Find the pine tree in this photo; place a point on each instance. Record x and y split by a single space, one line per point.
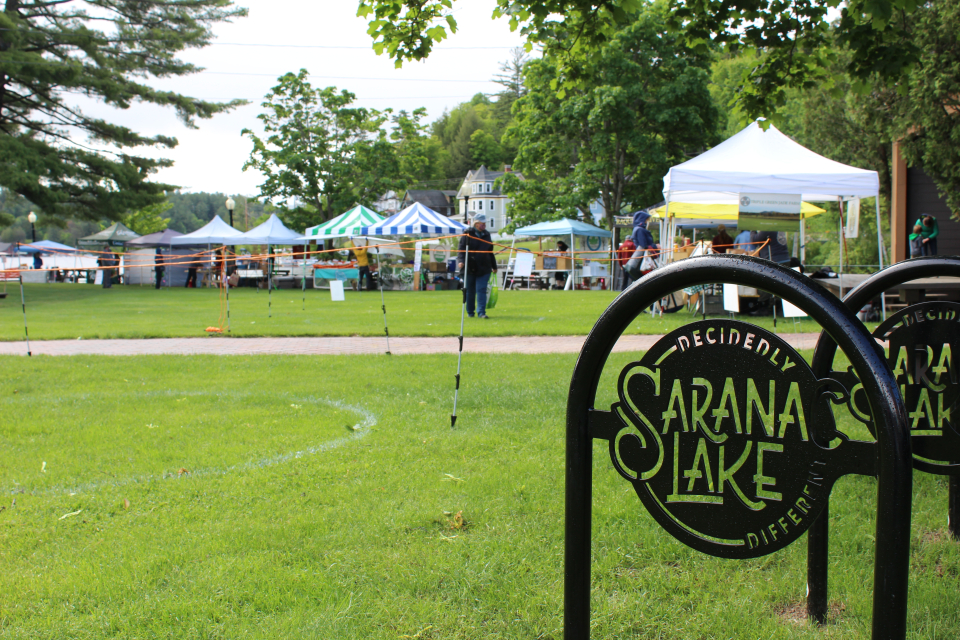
68 163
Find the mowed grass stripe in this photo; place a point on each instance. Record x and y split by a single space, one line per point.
62 311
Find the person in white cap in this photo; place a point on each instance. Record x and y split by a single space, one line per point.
480 264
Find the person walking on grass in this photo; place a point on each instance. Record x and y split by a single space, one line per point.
929 232
479 265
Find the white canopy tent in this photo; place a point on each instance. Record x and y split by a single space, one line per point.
767 161
214 232
271 232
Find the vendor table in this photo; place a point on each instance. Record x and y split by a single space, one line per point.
543 278
321 274
913 291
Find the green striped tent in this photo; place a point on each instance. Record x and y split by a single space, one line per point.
346 224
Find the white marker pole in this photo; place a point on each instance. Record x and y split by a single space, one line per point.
463 312
23 305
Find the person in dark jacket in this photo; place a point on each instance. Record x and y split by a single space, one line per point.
158 268
642 237
105 261
479 265
775 248
722 241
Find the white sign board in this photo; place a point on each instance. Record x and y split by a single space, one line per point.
852 227
790 310
769 212
98 279
731 298
336 290
418 257
523 265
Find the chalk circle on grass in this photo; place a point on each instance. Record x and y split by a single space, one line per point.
204 435
336 291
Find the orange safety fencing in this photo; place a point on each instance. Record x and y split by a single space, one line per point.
211 257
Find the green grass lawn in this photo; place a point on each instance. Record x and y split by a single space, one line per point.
68 311
309 497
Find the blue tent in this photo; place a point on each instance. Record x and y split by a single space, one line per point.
415 220
48 246
565 227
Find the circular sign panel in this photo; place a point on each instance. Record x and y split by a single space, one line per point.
718 438
921 340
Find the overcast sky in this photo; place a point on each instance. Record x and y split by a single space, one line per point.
326 38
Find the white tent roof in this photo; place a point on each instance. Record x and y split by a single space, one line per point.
758 161
214 232
272 231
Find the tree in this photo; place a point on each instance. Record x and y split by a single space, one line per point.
928 115
791 32
533 201
150 219
418 153
320 153
643 105
66 162
837 122
511 75
485 150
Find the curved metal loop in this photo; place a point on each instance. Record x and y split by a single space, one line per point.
824 353
894 465
875 285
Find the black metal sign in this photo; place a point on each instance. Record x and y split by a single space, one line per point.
715 428
727 436
921 345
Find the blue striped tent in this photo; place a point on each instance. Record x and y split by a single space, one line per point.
415 220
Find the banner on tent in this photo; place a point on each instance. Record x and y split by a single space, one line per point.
852 227
769 212
418 257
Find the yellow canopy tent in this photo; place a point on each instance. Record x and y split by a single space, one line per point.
700 211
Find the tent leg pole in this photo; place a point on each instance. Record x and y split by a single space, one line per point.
269 284
803 241
842 241
383 305
23 305
463 313
573 263
303 284
883 297
226 280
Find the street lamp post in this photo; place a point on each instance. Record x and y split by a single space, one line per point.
230 205
33 230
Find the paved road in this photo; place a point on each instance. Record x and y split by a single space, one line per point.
222 346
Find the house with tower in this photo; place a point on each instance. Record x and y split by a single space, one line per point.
478 194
